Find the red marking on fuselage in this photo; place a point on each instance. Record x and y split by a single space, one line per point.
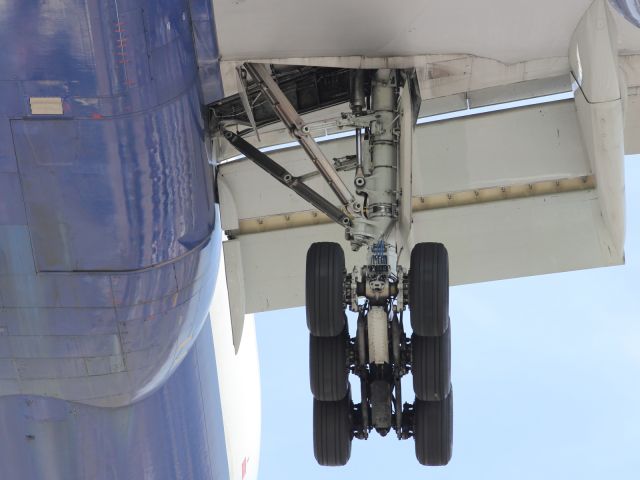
244 467
121 46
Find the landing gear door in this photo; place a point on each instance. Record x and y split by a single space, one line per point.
410 105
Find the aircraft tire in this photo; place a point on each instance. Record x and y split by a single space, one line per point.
431 366
332 431
328 366
433 431
324 289
429 289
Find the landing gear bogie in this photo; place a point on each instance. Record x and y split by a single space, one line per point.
381 353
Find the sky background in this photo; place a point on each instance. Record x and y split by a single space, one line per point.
546 380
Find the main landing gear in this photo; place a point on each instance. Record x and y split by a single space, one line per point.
376 215
380 354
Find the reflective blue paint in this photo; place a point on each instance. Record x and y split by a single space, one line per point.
109 246
7 156
115 194
629 8
173 434
142 323
205 38
12 207
120 180
108 253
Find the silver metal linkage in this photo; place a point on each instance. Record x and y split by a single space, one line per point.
292 120
371 212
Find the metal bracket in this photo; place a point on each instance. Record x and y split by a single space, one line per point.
360 121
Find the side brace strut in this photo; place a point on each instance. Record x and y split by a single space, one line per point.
288 115
285 178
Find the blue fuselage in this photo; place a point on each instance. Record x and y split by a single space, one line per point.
109 244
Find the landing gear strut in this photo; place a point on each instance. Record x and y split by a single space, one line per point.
377 216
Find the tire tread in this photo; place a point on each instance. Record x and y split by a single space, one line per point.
433 431
328 368
332 434
431 366
429 289
324 289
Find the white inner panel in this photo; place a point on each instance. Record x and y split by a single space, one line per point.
492 241
501 148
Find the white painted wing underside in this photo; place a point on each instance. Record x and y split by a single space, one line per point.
511 193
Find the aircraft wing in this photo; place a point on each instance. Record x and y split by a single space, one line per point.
512 190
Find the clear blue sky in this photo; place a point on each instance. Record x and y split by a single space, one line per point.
546 375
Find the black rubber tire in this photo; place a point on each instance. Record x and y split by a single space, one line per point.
433 431
328 366
429 289
431 366
324 289
332 431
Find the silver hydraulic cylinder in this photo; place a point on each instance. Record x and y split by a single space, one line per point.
378 336
380 163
